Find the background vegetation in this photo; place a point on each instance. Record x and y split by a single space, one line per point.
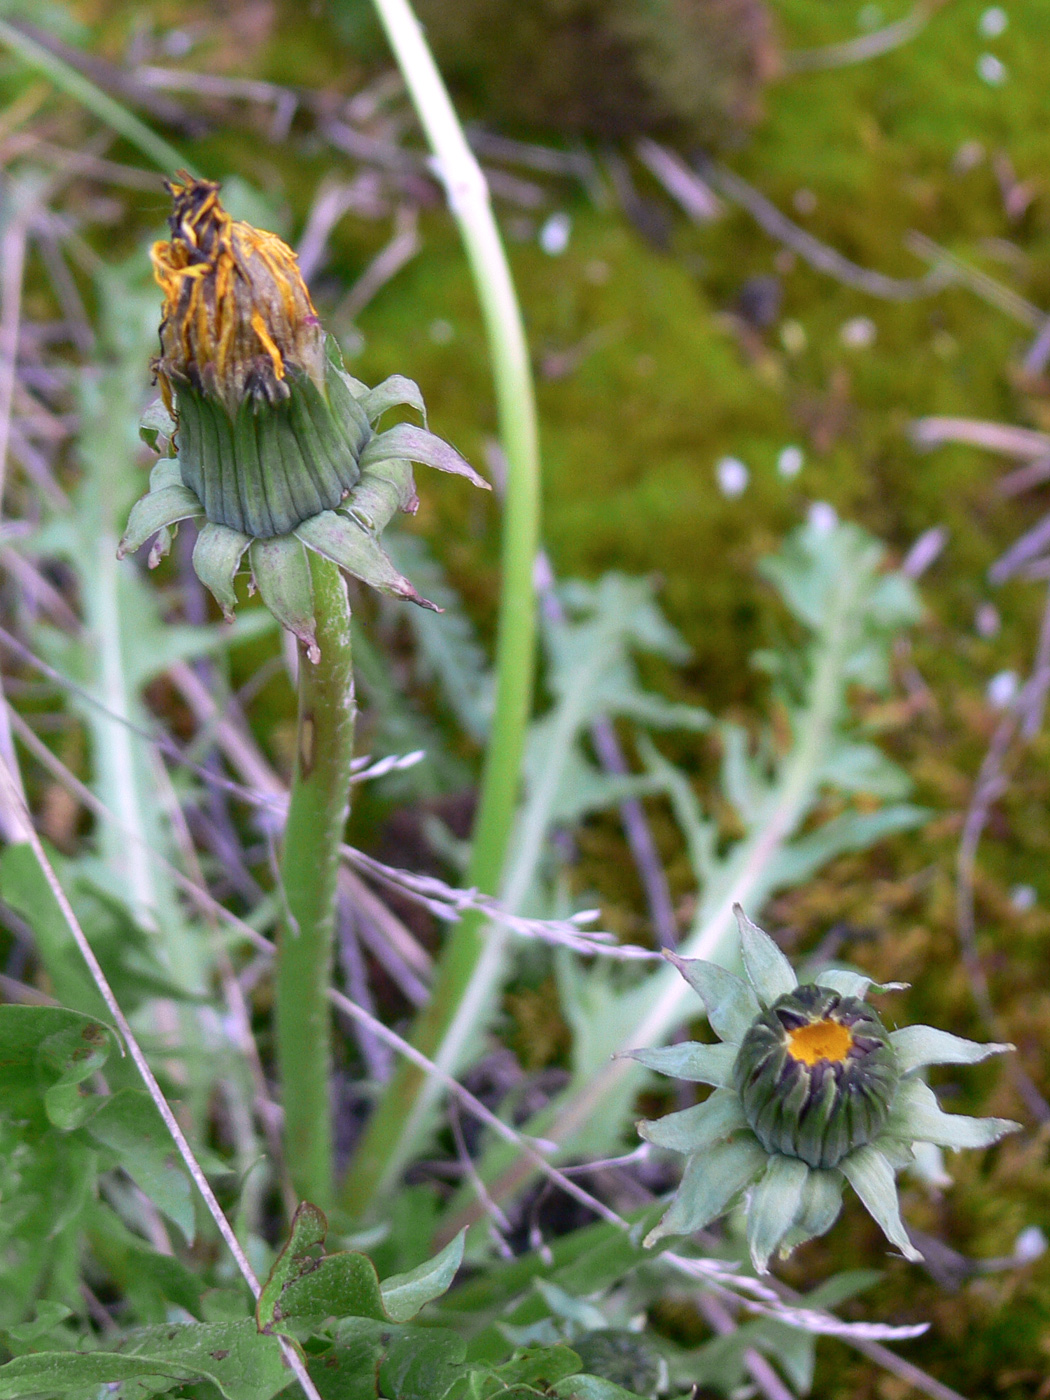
703 388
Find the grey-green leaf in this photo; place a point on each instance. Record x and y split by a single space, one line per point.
404 1294
710 1181
166 471
700 1064
282 575
768 970
854 984
417 445
343 541
394 392
916 1116
216 559
871 1176
926 1045
731 1004
774 1205
696 1128
153 512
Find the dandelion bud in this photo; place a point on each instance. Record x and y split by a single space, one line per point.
816 1075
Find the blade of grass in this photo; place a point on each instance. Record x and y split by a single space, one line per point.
374 1165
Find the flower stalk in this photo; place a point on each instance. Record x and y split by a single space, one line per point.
317 814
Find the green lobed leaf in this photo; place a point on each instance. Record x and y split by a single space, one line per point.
768 970
694 1129
731 1004
44 1048
690 1060
299 1253
590 1388
925 1045
404 1294
74 1053
306 1287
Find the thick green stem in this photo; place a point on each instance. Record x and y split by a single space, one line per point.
316 818
468 972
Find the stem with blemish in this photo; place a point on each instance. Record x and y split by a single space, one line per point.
317 813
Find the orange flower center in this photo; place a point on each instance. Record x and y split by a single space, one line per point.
822 1040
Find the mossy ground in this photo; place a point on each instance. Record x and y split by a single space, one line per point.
646 381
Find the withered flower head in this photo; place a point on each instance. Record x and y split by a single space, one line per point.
269 439
238 319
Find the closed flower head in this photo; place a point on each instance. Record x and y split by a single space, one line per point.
811 1092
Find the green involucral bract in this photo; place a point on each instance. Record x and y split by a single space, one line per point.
274 447
810 1091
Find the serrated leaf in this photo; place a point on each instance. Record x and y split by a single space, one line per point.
305 1287
45 1047
73 1053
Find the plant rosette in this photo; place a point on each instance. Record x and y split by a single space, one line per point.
810 1091
273 446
